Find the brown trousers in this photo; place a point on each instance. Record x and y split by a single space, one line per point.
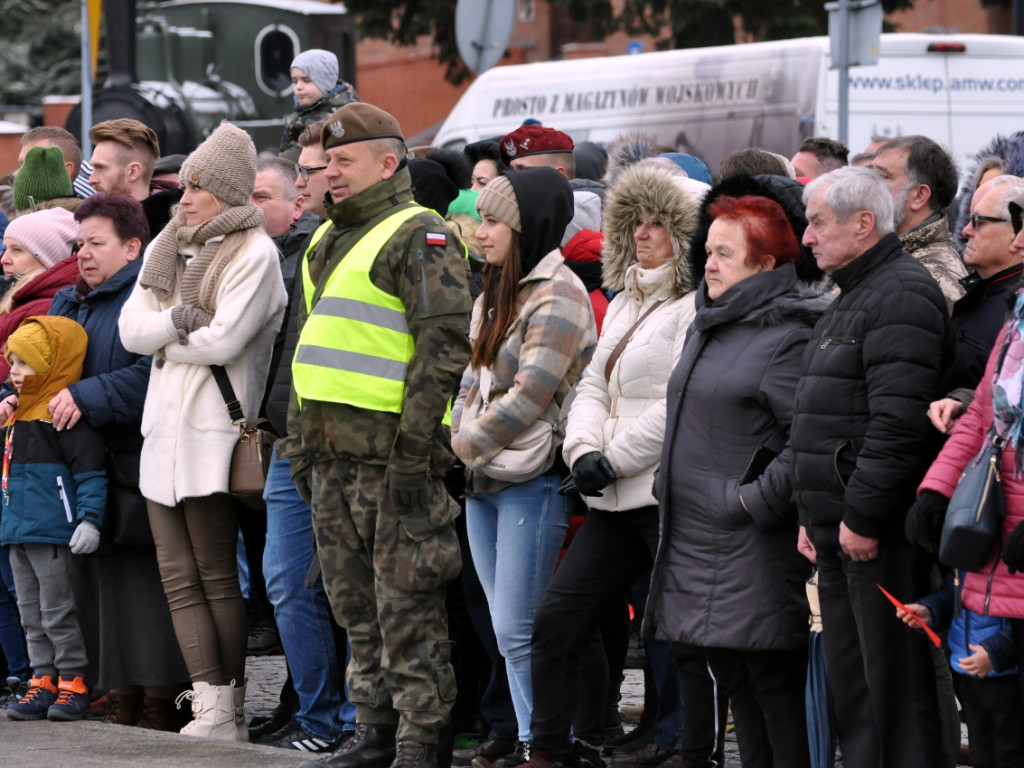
196 546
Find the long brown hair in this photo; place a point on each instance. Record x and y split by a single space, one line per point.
499 306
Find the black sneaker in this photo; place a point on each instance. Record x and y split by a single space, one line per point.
294 737
264 639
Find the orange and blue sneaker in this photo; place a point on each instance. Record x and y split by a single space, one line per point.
72 700
42 693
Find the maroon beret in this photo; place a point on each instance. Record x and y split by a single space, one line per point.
533 140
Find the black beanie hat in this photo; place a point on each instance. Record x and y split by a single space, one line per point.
431 186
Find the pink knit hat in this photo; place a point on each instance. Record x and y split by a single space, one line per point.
49 234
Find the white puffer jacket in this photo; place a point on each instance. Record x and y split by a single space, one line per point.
624 417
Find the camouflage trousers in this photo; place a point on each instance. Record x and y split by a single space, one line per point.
385 575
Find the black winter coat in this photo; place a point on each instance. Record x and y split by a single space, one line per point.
861 438
977 319
727 573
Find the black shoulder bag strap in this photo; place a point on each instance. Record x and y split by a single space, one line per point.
231 403
613 358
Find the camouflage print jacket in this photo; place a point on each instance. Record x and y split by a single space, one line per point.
297 121
433 283
932 244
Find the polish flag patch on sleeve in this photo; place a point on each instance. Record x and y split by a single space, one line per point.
437 238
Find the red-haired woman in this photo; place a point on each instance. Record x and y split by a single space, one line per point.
728 580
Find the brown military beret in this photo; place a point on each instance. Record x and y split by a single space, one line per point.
533 140
359 121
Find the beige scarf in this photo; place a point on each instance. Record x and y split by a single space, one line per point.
199 278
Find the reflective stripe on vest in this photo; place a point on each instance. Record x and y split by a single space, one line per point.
355 346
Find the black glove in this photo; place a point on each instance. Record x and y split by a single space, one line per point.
408 490
568 488
924 520
303 479
592 472
1013 549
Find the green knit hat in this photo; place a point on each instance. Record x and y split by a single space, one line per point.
43 177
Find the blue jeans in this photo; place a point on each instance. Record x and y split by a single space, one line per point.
516 533
302 612
12 636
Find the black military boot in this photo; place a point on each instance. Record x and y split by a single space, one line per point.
413 754
371 746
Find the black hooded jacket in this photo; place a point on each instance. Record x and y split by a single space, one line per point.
545 210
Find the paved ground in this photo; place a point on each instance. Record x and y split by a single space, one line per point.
89 744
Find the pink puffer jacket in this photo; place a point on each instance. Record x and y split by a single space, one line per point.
991 590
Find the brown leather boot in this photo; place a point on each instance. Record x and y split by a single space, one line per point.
158 715
122 709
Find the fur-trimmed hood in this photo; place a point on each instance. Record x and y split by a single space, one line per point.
656 189
1010 149
628 149
785 191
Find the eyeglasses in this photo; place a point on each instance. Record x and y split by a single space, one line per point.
306 170
977 219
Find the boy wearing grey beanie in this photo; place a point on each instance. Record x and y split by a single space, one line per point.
319 90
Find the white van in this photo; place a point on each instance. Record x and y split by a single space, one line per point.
958 89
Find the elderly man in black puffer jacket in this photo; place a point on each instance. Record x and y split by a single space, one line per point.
861 442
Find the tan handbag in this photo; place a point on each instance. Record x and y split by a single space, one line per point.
250 459
529 455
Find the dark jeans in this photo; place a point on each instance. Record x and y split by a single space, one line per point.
766 690
12 636
883 680
609 552
705 709
995 720
496 701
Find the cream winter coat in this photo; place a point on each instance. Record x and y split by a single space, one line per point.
623 416
188 437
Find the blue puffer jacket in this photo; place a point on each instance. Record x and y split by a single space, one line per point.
54 479
968 628
114 381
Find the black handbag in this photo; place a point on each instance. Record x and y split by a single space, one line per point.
126 521
976 510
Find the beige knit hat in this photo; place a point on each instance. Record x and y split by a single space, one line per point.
499 200
224 165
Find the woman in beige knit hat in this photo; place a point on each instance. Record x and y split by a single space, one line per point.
210 293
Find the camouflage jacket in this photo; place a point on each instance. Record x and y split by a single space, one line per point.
932 244
297 121
433 283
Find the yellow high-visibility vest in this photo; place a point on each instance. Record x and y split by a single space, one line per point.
355 346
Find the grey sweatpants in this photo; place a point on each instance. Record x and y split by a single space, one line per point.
42 578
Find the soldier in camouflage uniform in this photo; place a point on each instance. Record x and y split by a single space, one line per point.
319 91
374 477
923 180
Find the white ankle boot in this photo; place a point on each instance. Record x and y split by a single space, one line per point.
215 714
238 709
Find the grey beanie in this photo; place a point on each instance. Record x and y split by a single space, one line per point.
224 165
498 199
321 66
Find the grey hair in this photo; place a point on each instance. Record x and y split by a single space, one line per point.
286 171
1010 188
848 190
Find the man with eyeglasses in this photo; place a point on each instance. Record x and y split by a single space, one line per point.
313 714
923 180
994 254
312 181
